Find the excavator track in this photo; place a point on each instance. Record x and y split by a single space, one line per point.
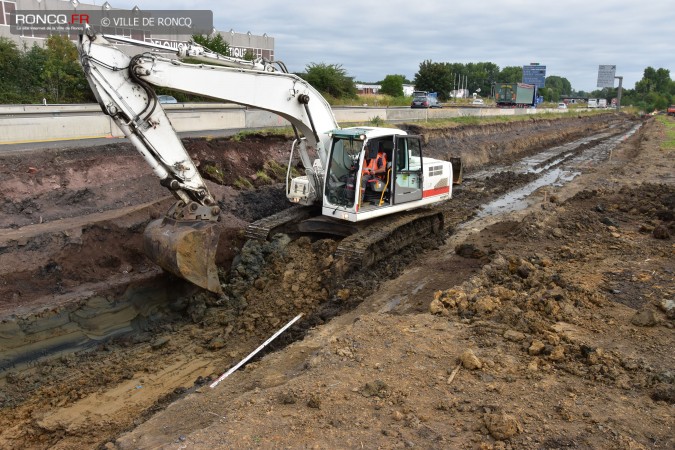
278 223
371 241
385 237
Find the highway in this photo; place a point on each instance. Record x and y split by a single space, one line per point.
30 127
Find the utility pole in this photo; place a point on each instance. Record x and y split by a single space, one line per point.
454 88
618 94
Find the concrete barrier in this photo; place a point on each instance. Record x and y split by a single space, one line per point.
35 123
192 118
50 127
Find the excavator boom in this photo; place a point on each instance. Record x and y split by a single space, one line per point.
184 242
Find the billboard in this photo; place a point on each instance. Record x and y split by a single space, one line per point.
534 74
606 75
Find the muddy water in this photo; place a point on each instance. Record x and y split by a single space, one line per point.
555 167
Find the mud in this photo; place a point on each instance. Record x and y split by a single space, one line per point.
541 299
499 143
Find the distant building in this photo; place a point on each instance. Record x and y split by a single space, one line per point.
459 93
240 43
364 89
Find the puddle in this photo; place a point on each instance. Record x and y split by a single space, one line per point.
556 166
519 198
392 304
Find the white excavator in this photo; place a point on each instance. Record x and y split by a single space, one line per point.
360 174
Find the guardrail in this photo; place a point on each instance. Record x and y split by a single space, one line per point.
39 123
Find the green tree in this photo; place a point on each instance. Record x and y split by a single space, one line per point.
10 62
653 91
655 81
435 77
559 84
480 76
63 76
215 43
330 79
554 88
510 74
393 85
32 74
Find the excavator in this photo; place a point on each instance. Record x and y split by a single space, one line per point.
338 180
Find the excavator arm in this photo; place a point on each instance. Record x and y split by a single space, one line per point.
184 242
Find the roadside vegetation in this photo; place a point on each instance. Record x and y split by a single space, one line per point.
53 74
668 142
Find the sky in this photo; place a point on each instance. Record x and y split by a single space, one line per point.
373 39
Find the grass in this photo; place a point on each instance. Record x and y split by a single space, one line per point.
383 100
263 178
477 120
285 132
243 184
376 121
669 124
215 173
275 170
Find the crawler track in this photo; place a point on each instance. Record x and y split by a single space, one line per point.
385 237
278 223
367 243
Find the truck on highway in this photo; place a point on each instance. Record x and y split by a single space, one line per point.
671 110
515 95
602 103
592 103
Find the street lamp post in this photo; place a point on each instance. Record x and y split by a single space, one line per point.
618 95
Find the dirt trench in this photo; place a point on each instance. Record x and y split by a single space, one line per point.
175 343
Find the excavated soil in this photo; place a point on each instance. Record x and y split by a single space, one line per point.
546 328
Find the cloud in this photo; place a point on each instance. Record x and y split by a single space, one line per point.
371 40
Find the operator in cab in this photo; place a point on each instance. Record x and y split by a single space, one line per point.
374 170
374 166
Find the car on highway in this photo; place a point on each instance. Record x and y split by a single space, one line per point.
477 101
562 106
166 99
425 101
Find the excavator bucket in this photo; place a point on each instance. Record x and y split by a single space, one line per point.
187 249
